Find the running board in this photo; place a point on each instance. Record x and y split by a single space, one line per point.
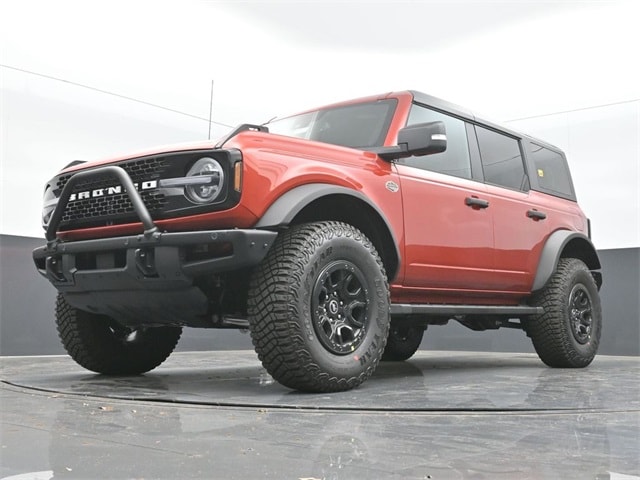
428 309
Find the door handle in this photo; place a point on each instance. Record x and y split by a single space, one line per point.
476 203
536 215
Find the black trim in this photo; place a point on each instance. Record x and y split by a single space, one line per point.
239 129
167 265
153 279
475 202
453 310
282 212
536 214
74 163
552 251
466 114
477 172
284 209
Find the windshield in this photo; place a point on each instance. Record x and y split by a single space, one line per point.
362 125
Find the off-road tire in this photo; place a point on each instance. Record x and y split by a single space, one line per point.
100 344
402 343
315 276
567 334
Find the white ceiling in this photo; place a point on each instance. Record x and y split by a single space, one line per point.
392 26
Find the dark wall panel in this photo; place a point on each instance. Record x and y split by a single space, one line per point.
27 325
621 301
27 301
620 311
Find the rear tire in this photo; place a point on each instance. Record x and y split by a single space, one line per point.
567 334
102 345
318 308
403 342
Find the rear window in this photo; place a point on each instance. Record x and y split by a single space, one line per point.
552 171
501 160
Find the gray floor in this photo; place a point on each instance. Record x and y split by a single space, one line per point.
441 415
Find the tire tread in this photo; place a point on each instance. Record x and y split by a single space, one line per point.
273 316
550 332
88 340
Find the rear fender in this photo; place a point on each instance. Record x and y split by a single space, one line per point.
564 243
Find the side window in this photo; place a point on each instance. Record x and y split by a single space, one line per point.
455 159
552 171
501 160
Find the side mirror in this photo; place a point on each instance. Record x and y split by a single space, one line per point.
423 138
418 139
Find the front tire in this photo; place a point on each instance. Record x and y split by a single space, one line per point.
100 344
319 308
567 334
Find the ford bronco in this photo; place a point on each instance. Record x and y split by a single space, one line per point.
336 236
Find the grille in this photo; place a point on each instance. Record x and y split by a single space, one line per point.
139 170
111 206
116 208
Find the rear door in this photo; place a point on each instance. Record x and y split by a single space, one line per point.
518 224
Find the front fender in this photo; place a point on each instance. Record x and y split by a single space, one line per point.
284 210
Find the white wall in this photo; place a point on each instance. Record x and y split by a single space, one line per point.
603 149
47 123
504 59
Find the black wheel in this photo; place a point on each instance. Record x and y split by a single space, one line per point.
102 345
567 334
319 308
403 341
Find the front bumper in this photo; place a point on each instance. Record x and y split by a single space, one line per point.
160 261
148 278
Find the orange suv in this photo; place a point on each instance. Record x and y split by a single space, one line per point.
336 236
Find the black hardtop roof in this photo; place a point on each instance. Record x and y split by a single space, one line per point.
467 114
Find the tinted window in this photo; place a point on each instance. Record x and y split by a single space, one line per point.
455 159
359 125
501 160
552 171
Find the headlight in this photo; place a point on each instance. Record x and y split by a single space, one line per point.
205 181
49 205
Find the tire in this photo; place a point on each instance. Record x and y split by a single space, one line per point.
402 343
318 308
102 345
567 334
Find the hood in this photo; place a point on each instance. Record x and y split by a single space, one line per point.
178 147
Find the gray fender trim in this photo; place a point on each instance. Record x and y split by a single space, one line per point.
284 209
551 255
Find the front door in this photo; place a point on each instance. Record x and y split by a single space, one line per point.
448 227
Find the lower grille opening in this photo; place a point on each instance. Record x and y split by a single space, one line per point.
103 260
207 251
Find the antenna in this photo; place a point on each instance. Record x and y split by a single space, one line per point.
210 110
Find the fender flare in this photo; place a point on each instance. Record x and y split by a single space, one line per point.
282 212
552 251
